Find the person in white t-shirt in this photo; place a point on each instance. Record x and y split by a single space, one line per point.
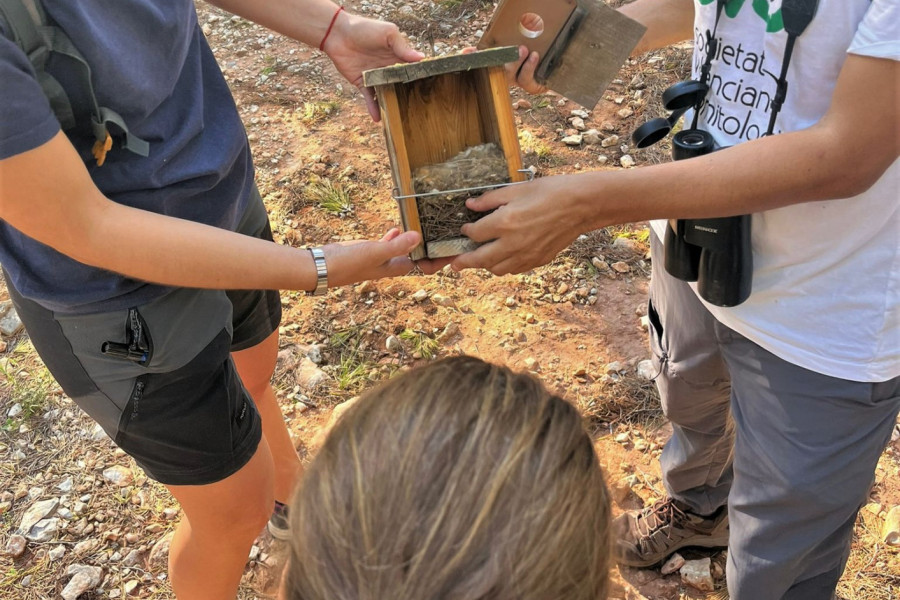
781 405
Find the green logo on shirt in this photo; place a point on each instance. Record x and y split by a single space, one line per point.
760 7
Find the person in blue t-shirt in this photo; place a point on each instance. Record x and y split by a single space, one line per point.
169 368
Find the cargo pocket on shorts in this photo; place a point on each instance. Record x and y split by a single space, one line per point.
193 425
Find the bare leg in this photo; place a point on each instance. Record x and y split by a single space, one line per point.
211 544
255 366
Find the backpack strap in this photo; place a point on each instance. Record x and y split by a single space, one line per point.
23 18
30 30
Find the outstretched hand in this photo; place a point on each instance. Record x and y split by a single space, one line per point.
357 44
532 223
362 260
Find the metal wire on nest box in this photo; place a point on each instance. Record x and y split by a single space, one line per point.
442 215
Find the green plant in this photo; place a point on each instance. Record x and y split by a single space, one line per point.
330 196
270 67
641 234
530 144
423 345
314 112
27 389
353 363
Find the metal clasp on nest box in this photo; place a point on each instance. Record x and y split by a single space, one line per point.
481 188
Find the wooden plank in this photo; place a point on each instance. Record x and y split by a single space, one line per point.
595 54
506 122
441 117
454 247
400 168
504 28
405 73
584 64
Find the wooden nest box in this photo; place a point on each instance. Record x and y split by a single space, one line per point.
450 135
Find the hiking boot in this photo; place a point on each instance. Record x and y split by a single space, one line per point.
278 525
651 535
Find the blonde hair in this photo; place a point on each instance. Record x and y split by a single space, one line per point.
457 481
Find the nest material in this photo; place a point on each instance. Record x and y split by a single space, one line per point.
442 215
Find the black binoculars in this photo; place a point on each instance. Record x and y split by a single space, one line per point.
716 252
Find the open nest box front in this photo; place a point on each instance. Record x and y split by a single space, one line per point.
451 135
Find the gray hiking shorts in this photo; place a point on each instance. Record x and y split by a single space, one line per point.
159 377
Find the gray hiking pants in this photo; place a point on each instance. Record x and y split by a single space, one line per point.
791 451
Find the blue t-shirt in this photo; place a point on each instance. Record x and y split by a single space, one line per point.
152 65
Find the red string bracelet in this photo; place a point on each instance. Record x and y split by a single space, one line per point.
330 27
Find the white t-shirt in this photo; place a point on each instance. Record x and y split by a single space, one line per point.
826 278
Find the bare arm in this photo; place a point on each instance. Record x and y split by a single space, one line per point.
67 212
355 43
862 127
667 22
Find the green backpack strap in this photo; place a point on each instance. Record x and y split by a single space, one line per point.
28 26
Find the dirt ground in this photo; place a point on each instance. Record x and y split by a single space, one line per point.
324 173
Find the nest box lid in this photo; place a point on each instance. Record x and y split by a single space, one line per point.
582 43
429 67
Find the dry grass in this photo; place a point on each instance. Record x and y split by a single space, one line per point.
626 400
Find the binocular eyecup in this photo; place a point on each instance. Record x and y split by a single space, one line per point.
715 253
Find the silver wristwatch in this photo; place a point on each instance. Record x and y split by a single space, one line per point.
321 272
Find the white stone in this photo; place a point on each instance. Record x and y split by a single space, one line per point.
314 354
159 554
645 370
11 324
573 140
85 547
14 411
610 141
393 344
84 578
44 530
591 136
625 243
132 559
891 530
441 300
449 331
309 375
627 161
37 512
97 433
614 367
56 552
697 574
420 296
675 562
599 264
118 475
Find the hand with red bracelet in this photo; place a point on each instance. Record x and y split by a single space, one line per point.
356 44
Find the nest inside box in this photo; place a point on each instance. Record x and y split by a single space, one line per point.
442 215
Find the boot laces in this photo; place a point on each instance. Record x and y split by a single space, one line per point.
661 516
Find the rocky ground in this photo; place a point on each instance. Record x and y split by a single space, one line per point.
79 519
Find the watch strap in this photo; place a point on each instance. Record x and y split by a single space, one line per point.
321 272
